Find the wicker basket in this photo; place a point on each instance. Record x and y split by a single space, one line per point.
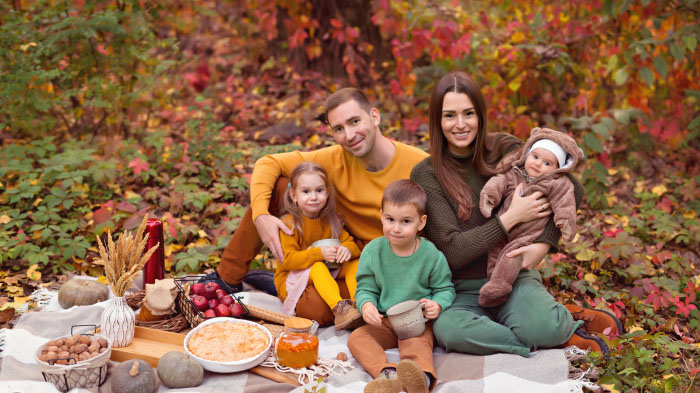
184 305
86 374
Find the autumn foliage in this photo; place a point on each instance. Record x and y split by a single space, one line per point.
110 110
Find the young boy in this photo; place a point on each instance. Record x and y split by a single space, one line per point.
396 267
541 166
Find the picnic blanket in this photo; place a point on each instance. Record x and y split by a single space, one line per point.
543 371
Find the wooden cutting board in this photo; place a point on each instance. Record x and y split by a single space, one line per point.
151 344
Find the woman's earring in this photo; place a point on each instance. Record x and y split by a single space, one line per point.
295 204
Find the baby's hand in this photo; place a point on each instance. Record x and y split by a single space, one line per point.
371 315
329 253
431 308
343 254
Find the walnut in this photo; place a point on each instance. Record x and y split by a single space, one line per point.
342 356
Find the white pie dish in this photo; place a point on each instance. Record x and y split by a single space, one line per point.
234 366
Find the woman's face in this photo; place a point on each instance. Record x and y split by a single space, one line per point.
459 122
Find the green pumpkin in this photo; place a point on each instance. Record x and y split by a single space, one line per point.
133 376
177 370
80 292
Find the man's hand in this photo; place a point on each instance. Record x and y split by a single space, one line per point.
431 308
371 315
343 254
532 254
269 227
329 253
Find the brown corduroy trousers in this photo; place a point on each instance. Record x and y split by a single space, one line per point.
367 344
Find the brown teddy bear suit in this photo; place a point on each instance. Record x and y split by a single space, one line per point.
502 271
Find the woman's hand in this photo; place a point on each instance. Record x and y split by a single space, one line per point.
525 208
532 254
342 255
371 315
329 253
431 308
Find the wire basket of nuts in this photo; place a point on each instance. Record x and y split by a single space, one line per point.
75 361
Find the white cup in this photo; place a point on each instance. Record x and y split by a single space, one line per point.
407 319
324 243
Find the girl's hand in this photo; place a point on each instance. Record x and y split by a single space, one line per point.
525 208
329 253
371 315
342 254
532 254
431 308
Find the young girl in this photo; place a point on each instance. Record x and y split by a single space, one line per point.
311 206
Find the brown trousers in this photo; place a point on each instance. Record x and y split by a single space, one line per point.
367 345
245 244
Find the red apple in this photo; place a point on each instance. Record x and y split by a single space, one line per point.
236 310
213 303
196 288
220 293
209 290
200 302
226 300
209 313
222 310
215 284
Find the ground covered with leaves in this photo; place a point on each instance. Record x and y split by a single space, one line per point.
113 110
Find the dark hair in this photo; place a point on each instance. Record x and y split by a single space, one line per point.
405 191
448 171
328 211
344 95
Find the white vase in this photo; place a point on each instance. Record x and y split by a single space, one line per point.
118 322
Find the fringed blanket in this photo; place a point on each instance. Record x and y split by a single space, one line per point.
543 371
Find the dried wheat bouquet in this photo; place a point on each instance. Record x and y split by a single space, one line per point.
125 260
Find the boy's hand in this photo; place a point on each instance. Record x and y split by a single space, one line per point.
431 308
342 254
371 315
329 253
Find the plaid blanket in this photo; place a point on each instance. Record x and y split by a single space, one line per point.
543 371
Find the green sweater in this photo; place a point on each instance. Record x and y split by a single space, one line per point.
465 243
385 279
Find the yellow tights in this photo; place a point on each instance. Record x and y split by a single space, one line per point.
325 283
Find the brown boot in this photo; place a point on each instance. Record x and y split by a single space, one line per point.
412 377
588 342
346 315
596 321
384 383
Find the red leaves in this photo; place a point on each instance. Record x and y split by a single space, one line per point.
200 78
104 213
663 129
139 165
297 39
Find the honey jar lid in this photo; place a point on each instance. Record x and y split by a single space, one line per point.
298 323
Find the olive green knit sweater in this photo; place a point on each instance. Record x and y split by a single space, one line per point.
465 243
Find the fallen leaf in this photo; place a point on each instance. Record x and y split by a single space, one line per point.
659 190
5 219
33 273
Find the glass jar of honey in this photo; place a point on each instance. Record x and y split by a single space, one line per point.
297 345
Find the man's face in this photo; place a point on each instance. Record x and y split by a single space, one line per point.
353 128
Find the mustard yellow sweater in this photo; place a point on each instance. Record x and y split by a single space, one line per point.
298 255
358 191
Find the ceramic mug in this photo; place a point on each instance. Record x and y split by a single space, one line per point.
324 243
407 319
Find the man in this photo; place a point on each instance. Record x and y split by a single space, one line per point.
360 166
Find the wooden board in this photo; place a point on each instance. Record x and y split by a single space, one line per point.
151 344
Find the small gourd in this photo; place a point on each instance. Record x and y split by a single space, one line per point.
80 292
133 376
177 370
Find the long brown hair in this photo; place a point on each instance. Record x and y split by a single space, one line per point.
447 168
328 212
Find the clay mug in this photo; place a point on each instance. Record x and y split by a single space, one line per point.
324 243
407 319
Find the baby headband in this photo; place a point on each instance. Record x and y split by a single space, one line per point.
557 150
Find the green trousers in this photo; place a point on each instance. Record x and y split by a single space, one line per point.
529 319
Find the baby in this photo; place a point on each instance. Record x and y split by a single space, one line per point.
541 166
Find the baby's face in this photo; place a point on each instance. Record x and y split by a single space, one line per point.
540 162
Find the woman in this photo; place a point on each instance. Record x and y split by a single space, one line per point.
463 157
